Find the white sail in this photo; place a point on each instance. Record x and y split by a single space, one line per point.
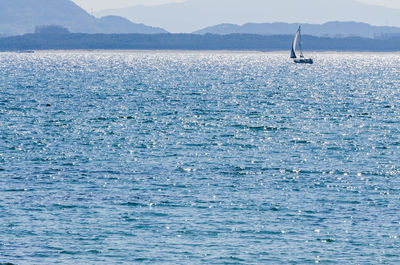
293 53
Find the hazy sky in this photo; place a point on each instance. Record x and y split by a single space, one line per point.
95 5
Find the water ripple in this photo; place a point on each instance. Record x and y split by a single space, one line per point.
180 158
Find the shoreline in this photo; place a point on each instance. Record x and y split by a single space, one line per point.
191 43
187 51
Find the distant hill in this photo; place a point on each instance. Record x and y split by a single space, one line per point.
22 16
239 42
330 29
192 15
116 24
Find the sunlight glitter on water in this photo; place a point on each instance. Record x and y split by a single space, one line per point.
168 157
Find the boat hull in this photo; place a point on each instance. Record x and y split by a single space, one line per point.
307 61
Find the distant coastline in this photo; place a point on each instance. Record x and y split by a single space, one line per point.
191 42
181 51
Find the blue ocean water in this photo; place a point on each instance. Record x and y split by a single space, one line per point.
199 158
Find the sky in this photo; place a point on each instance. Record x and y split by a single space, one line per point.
96 5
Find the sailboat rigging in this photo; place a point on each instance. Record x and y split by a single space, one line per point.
293 55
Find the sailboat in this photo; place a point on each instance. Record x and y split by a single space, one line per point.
293 55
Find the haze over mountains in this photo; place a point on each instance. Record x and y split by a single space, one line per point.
193 15
330 29
22 16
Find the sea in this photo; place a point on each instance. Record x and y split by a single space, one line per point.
170 157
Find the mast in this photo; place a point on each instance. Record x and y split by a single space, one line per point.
301 50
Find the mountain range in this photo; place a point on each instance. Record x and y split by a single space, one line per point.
19 17
193 15
330 29
22 16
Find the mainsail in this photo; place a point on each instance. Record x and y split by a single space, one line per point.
293 53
